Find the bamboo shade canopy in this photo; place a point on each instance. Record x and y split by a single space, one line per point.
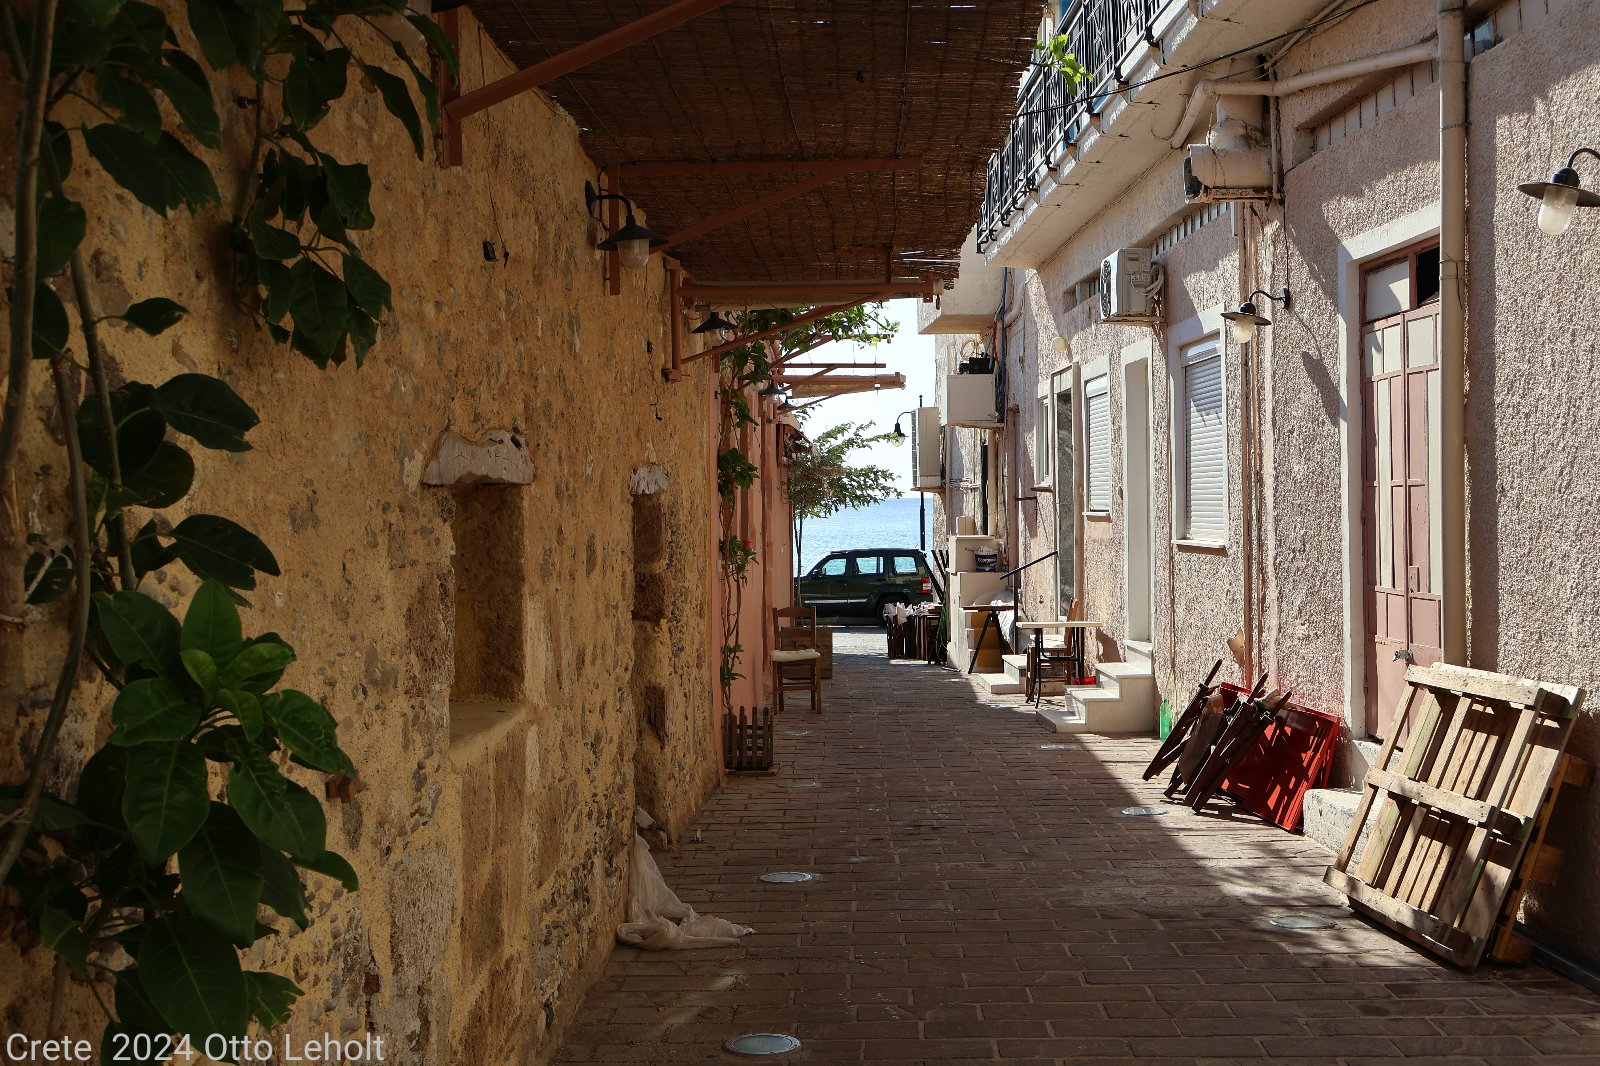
784 80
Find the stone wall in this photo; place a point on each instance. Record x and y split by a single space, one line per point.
570 611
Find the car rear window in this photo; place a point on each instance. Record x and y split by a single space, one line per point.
906 564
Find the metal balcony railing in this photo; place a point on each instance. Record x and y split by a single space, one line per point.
1050 118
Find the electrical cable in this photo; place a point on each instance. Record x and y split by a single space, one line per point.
1089 98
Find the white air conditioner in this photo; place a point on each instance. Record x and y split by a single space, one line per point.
925 472
1124 278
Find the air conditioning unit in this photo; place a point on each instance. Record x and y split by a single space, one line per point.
1124 278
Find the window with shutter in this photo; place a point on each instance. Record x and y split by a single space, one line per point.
1043 441
1097 426
1205 447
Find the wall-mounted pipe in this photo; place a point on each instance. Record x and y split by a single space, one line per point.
1453 328
1206 92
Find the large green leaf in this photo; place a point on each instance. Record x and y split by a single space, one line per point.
368 286
132 163
148 551
281 888
155 315
349 191
193 978
161 482
271 997
244 706
212 624
335 866
189 98
61 226
139 436
214 547
221 869
190 179
317 304
203 671
212 23
101 787
258 667
133 1005
305 103
272 806
437 40
51 330
308 731
397 98
152 709
140 630
269 241
165 803
131 100
60 932
99 12
208 410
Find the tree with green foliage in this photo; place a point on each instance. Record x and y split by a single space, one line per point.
151 877
822 480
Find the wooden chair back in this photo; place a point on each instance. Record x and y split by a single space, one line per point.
794 627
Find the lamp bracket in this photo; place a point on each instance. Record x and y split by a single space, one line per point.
1283 297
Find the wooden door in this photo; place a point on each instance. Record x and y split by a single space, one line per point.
1400 468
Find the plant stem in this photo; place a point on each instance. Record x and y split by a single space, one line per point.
26 276
40 762
116 523
58 995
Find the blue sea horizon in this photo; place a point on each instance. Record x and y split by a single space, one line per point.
890 524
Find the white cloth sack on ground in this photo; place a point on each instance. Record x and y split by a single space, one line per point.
659 921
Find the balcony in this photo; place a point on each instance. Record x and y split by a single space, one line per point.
1049 120
1043 184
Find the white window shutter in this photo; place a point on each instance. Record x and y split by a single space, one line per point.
1097 426
1205 452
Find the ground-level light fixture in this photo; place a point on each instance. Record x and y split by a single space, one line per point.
714 322
1561 195
631 241
1247 319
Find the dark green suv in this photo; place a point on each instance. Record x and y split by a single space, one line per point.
862 581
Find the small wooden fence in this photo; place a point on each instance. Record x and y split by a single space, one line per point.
747 742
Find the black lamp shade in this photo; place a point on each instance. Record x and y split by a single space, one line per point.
714 321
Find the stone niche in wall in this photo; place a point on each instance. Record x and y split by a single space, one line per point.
487 482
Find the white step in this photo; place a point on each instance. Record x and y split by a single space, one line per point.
1000 684
1061 720
1139 651
1016 667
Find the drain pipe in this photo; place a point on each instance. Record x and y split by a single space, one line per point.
1206 92
1453 325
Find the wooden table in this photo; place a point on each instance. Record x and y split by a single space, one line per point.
1074 629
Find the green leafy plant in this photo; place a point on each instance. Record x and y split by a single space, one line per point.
740 370
1056 55
822 479
184 823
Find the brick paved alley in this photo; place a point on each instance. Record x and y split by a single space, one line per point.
981 899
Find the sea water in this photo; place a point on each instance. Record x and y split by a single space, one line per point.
890 524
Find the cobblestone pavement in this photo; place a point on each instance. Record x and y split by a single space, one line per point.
981 899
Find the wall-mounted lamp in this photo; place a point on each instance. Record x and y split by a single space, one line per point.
1247 319
632 242
898 436
714 322
772 389
788 406
1561 195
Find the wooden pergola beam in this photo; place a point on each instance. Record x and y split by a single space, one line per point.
750 338
579 56
759 204
811 291
688 168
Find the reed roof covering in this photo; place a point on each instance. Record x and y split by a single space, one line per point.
778 80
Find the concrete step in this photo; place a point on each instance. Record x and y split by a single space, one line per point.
1328 814
1016 667
999 683
1067 719
1138 651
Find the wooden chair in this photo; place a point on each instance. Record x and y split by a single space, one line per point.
796 662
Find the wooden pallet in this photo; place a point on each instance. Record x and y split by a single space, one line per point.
747 745
1461 807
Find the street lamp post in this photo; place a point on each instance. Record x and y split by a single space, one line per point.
922 497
